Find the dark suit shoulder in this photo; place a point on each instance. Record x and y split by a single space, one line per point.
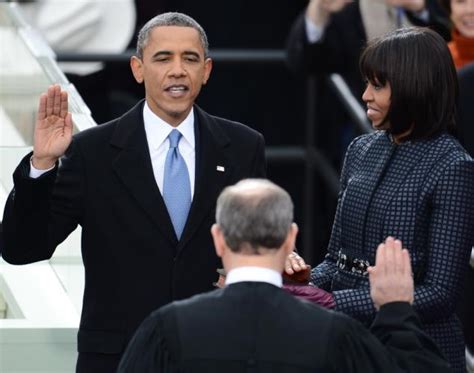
128 121
97 132
228 126
236 126
91 143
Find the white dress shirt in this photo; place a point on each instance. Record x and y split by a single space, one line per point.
254 274
157 131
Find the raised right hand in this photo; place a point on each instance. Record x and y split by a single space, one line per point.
53 129
391 279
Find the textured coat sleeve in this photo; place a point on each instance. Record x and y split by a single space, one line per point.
40 213
450 240
395 343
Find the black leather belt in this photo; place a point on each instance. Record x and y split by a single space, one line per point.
354 265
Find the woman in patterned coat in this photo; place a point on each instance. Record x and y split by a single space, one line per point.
409 179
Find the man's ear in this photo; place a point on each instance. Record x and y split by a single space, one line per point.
136 65
207 70
218 238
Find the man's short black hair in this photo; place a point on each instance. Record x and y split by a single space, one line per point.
417 64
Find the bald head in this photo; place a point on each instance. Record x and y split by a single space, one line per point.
254 214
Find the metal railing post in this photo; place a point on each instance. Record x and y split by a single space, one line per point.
309 185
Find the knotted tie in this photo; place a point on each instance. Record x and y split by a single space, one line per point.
176 186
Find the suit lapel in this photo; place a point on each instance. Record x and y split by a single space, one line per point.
133 167
211 143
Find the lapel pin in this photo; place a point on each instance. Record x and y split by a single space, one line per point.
220 168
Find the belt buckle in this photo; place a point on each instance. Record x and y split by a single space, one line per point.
360 266
341 261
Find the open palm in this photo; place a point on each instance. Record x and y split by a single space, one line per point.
53 130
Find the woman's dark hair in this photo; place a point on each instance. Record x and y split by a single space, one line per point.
417 64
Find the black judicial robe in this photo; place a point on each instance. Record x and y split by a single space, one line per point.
257 327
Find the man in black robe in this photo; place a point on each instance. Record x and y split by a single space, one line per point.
251 325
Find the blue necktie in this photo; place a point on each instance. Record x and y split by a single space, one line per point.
176 186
